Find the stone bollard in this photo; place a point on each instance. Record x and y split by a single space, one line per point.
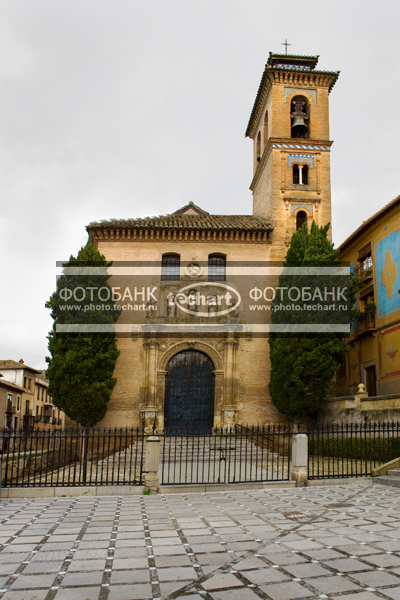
298 471
152 460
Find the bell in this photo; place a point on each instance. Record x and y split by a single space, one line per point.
299 127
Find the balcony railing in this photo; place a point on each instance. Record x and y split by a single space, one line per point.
365 322
365 270
28 421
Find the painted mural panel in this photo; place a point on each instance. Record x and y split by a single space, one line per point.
390 355
387 262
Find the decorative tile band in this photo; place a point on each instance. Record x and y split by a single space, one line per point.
289 90
298 147
303 158
308 207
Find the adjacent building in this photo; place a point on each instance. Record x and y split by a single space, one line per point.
373 251
24 401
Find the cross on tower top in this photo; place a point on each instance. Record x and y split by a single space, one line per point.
286 44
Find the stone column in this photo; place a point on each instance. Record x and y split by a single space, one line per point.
230 368
301 174
218 398
151 347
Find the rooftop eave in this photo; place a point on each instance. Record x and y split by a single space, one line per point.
368 224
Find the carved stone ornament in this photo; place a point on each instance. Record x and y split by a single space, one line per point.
193 270
149 417
229 416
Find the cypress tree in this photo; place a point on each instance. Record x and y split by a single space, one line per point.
303 364
81 365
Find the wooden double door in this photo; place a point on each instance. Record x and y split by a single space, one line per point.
189 394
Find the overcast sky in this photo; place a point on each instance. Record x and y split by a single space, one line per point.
134 108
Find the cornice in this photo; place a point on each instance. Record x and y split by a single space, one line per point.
106 234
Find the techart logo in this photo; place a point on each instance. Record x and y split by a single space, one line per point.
206 299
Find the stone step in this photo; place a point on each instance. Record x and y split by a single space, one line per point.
393 472
387 480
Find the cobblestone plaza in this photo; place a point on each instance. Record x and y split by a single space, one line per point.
280 544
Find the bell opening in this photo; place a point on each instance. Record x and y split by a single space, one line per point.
299 117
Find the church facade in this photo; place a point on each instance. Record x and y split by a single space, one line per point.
193 355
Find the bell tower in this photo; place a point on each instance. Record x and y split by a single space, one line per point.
289 126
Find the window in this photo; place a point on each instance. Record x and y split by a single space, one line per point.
300 174
24 382
216 267
365 264
29 383
38 393
27 407
42 394
300 117
18 402
258 147
265 129
170 267
301 218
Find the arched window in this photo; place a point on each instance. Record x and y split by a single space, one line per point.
300 117
258 147
301 218
170 267
300 174
265 128
216 267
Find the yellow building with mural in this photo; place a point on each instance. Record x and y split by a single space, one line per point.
373 251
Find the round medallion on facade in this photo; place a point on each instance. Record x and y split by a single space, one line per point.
193 270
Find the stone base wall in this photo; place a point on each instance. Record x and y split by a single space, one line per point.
360 407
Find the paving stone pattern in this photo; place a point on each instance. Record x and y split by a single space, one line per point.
339 541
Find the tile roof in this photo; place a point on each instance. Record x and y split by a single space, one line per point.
187 222
13 364
275 58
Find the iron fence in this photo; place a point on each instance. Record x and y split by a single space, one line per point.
235 454
71 457
339 450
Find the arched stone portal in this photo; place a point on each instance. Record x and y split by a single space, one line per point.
189 393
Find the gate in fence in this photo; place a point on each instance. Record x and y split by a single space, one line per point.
235 454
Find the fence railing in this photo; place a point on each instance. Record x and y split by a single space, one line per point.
235 454
351 449
72 457
238 454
